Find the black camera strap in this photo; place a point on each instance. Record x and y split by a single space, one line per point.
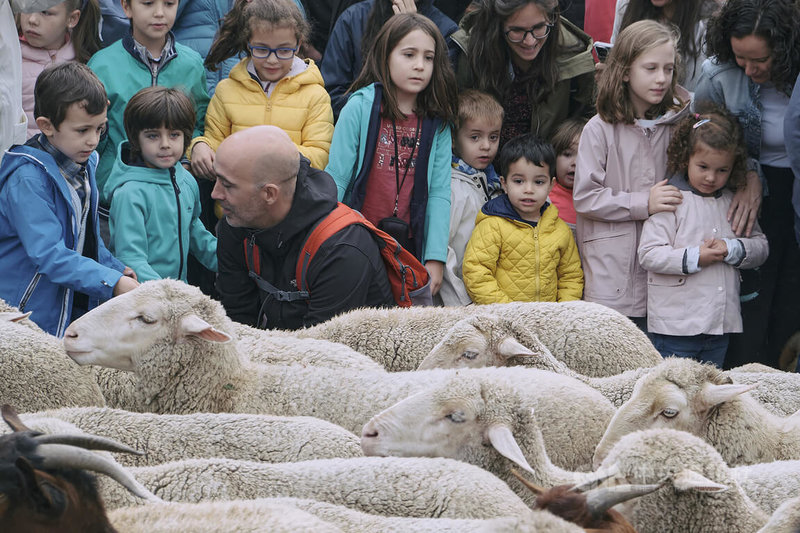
397 161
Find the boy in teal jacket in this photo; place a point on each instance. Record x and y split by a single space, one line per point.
155 203
147 56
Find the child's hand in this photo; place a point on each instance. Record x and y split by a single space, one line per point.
124 285
203 161
712 251
436 272
404 6
130 273
663 197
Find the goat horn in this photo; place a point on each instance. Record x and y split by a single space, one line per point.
601 499
598 477
12 418
533 488
88 442
64 456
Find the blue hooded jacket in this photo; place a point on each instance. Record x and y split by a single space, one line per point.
40 267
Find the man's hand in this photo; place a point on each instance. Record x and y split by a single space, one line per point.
404 6
124 285
663 197
712 251
743 212
436 272
203 161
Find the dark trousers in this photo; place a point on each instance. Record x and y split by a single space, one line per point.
703 348
773 316
196 273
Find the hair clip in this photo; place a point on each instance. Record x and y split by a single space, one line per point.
701 122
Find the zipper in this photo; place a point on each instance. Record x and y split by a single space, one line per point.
180 231
537 258
29 291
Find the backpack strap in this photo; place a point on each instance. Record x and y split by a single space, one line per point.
338 219
252 257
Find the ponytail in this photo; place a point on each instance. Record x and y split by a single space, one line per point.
85 36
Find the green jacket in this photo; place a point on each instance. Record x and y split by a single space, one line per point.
146 207
574 93
122 72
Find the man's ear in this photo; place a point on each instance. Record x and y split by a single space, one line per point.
270 193
45 126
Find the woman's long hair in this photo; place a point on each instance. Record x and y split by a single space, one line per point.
488 50
687 15
776 21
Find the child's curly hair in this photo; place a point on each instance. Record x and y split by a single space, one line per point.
717 128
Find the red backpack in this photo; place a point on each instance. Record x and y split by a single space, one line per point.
407 276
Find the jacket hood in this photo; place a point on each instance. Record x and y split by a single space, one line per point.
501 207
575 51
20 155
309 75
314 197
682 183
122 172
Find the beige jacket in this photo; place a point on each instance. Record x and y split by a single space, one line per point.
616 167
706 301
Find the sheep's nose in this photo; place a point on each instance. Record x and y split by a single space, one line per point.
370 431
71 334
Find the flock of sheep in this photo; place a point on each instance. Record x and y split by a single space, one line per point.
514 417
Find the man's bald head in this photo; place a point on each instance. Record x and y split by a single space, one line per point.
263 154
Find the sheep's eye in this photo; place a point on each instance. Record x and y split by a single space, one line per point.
669 413
145 319
456 416
469 355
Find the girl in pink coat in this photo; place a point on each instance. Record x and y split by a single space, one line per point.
64 32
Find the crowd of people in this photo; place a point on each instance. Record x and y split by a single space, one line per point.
205 141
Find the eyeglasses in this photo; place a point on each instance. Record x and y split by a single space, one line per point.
263 52
540 31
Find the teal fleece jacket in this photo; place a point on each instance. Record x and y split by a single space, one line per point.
146 206
124 74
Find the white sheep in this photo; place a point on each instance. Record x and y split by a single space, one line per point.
701 495
174 338
36 373
417 487
590 338
701 399
166 438
480 420
785 519
769 484
265 515
778 391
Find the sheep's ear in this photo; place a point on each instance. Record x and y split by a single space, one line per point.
193 325
716 394
503 441
691 480
511 347
14 316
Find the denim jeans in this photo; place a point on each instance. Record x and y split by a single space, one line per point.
703 348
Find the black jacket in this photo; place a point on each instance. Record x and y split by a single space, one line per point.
346 272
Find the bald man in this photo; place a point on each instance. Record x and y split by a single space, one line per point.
272 199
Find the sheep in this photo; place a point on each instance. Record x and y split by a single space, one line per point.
590 338
785 519
165 438
44 483
417 487
769 484
271 348
480 420
174 338
265 515
704 494
490 340
701 399
35 372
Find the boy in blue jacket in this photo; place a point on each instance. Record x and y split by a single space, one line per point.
51 255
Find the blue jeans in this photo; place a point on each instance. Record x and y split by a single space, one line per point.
704 348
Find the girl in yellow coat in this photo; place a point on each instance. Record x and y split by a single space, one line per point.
520 250
271 85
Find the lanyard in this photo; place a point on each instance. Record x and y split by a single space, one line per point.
397 162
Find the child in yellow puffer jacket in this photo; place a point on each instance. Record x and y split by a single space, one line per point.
520 249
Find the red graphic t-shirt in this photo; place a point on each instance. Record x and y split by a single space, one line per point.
382 181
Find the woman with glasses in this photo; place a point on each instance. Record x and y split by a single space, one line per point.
269 86
686 15
537 64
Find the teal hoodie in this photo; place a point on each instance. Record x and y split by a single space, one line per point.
146 205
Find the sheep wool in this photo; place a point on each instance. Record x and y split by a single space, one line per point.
704 494
166 438
785 519
770 484
417 487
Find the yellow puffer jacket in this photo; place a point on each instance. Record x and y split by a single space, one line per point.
299 105
508 260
